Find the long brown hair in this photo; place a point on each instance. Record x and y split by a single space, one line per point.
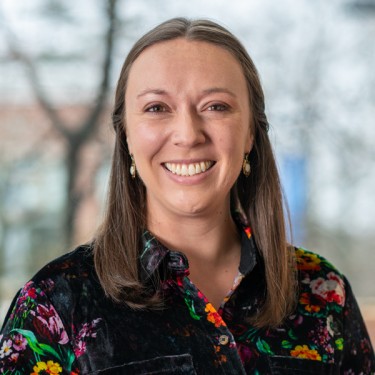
118 240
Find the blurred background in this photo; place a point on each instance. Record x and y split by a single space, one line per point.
59 61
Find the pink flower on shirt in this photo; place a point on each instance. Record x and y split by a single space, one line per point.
19 342
48 324
331 289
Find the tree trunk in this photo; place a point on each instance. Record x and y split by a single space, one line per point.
73 196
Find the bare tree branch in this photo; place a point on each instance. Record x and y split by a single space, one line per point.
92 120
80 134
19 55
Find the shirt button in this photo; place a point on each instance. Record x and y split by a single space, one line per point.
223 340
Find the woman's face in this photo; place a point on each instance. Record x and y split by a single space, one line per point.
188 126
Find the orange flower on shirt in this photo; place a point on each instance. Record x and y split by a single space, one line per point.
307 261
48 367
303 351
311 302
248 232
213 316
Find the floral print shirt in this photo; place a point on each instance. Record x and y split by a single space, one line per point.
61 322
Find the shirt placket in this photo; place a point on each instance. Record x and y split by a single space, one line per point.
203 313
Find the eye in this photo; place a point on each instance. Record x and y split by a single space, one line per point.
218 107
155 108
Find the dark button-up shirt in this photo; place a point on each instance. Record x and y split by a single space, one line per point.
61 322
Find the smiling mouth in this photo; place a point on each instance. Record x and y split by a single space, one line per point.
190 169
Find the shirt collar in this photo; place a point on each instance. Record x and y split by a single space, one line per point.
155 255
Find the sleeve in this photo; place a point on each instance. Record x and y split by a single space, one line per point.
33 339
358 355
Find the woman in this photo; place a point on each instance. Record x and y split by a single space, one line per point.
192 167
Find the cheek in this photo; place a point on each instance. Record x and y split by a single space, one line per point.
233 144
144 141
141 139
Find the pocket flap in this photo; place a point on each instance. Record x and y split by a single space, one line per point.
296 366
173 364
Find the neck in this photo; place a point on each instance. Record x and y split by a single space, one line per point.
202 238
211 244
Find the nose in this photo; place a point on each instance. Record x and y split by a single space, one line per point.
188 129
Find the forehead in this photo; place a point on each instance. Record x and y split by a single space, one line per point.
184 59
185 46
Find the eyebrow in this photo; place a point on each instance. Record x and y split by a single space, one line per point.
214 90
152 91
211 90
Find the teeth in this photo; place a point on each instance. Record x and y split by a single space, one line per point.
184 170
189 169
198 168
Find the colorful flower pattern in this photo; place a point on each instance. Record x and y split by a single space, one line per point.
213 316
303 351
48 367
330 288
62 323
36 334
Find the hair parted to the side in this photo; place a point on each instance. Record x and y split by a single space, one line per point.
118 240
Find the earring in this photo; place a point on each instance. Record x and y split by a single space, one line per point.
246 168
132 167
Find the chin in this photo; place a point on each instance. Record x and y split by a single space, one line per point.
193 209
185 206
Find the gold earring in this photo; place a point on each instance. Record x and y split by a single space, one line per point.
246 168
132 167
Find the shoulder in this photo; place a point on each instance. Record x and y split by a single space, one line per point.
68 282
321 285
76 265
67 286
313 263
48 313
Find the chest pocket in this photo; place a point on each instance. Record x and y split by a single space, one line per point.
295 366
174 364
